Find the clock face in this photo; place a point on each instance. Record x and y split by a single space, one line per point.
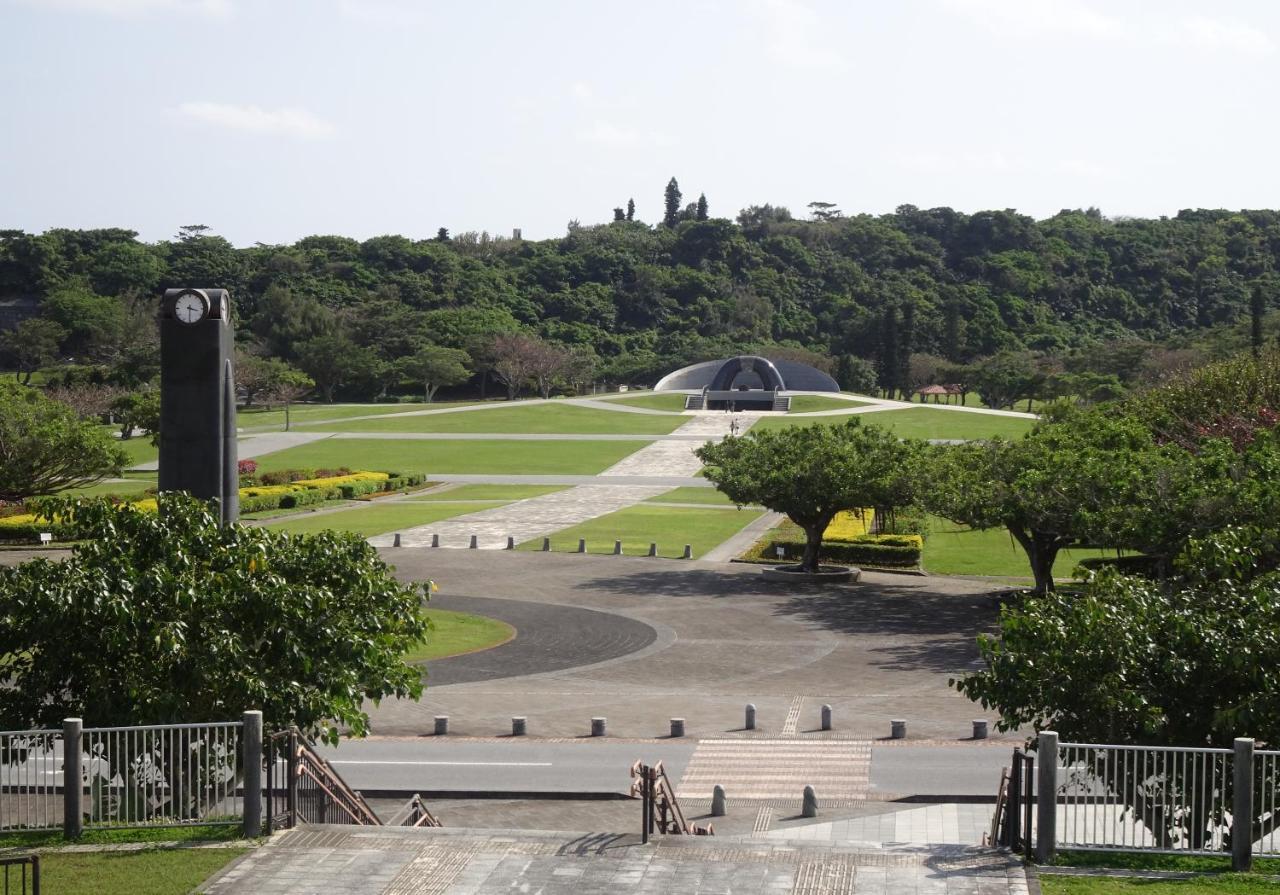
189 308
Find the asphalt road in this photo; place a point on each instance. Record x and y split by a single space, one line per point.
447 767
443 768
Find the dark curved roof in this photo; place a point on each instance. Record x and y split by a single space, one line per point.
792 376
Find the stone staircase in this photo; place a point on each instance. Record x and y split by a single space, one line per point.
695 402
781 402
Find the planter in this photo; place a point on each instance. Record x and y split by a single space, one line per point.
825 574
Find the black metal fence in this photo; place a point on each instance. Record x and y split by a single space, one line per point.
21 875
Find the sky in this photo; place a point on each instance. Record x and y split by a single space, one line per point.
270 120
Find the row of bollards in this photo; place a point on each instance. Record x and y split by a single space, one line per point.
474 544
599 725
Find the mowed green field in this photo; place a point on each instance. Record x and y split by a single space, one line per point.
670 401
690 494
454 633
504 493
919 422
478 456
530 419
154 871
814 403
379 518
955 550
644 524
270 418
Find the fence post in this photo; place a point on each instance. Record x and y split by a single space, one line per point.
1242 806
1047 796
72 781
291 768
251 749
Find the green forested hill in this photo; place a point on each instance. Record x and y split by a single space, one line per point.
639 300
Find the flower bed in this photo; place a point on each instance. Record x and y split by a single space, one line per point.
298 492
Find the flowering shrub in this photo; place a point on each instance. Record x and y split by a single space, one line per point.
849 525
247 467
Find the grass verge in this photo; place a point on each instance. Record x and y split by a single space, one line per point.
920 422
455 633
53 838
478 456
709 496
672 402
1142 861
534 419
152 871
1226 884
505 493
379 518
952 549
813 403
640 525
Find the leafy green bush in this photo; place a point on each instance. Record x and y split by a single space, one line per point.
867 553
308 497
188 620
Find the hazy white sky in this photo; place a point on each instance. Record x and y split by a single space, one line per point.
273 119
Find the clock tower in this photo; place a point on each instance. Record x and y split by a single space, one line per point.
198 398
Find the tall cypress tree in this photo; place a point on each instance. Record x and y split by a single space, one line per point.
672 204
906 345
631 209
1257 309
889 368
700 214
951 330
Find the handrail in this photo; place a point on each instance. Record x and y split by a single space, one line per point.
661 808
358 808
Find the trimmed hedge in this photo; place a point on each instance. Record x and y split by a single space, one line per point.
892 556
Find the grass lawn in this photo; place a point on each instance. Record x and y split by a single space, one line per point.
455 633
53 838
812 403
692 495
673 402
505 493
139 448
124 489
261 417
920 422
154 871
477 456
379 518
954 550
639 526
532 419
1226 884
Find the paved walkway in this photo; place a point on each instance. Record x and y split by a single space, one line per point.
397 861
536 517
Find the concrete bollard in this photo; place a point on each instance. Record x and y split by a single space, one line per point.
598 726
898 730
677 728
474 543
979 728
617 548
511 542
688 551
809 807
717 801
582 545
442 725
519 726
750 722
826 717
546 545
435 540
653 549
396 542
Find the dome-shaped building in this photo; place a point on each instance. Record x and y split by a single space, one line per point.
746 382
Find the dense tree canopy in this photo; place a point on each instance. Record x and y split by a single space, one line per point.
168 616
45 447
1075 292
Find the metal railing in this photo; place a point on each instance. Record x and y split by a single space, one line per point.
1266 803
30 779
660 810
415 813
1165 799
164 774
27 870
1012 826
304 788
